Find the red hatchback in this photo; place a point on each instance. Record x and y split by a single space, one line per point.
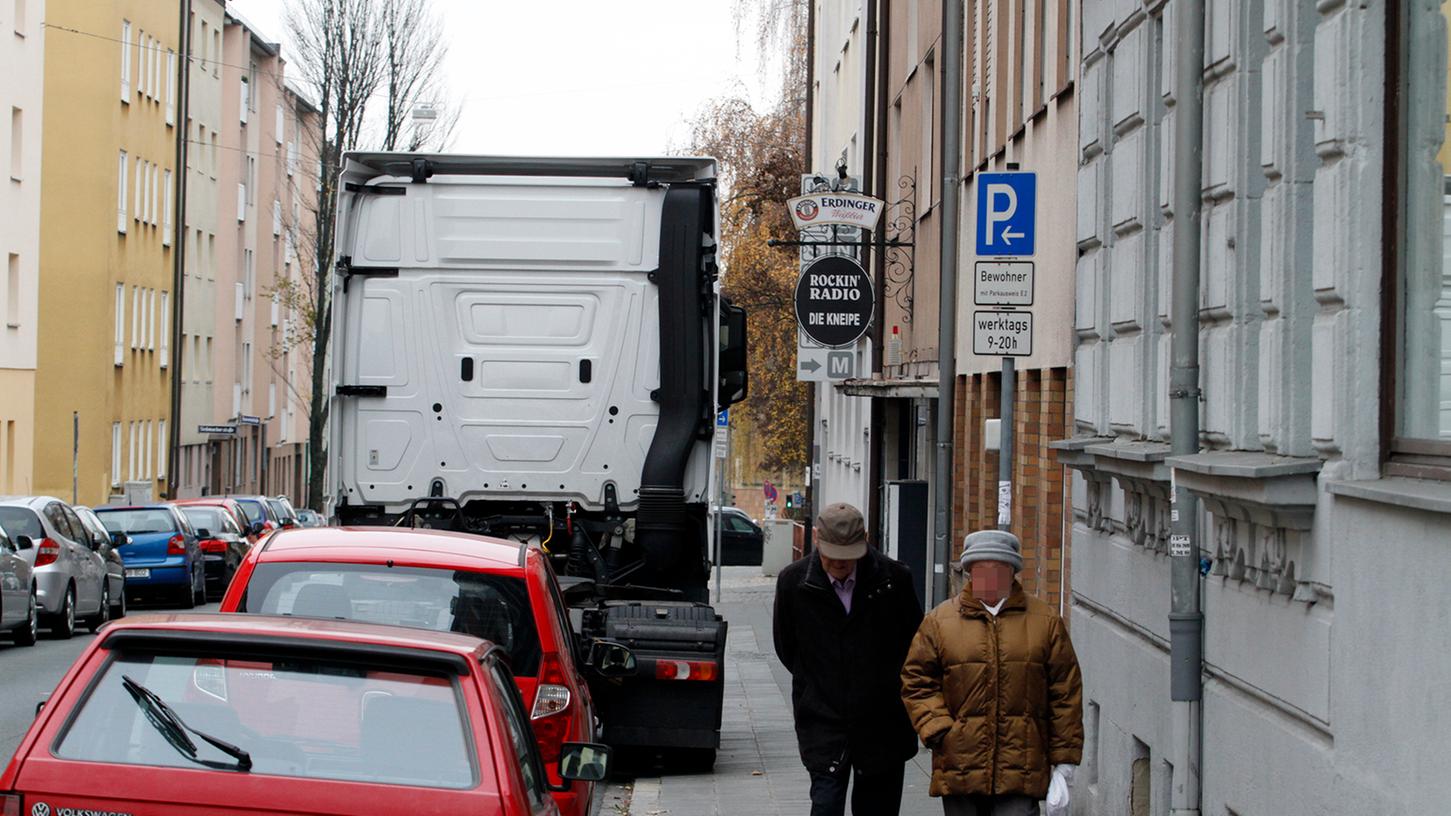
497 590
206 714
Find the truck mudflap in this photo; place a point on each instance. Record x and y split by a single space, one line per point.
675 697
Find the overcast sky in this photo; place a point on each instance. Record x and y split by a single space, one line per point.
582 77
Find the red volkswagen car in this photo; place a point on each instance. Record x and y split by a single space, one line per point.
206 714
497 590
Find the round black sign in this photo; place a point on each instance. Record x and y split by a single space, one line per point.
834 301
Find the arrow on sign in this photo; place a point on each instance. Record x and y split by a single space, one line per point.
810 365
1009 235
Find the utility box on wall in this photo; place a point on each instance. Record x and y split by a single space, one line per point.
904 529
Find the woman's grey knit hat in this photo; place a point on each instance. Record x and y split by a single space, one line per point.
992 545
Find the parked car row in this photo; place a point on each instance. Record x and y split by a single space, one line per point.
362 669
64 566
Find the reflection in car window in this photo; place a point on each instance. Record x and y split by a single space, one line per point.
21 521
520 736
253 509
212 519
138 522
302 717
492 607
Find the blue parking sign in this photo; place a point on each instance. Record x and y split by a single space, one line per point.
1007 209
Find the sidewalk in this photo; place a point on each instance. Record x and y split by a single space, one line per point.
757 771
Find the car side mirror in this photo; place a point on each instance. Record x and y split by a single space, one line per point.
256 529
120 539
23 542
40 706
583 762
203 532
610 659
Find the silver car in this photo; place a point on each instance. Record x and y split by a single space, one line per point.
115 567
69 574
18 614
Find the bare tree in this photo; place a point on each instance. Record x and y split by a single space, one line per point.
416 115
341 56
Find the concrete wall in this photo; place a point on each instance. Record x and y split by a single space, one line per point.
22 44
1324 566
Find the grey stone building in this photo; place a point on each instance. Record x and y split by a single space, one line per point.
1325 418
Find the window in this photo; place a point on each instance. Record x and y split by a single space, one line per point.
249 273
244 99
521 737
276 218
161 449
277 129
154 174
146 450
276 309
241 201
20 18
291 158
125 63
12 292
271 399
251 178
149 324
170 87
131 464
17 143
135 316
166 225
1422 443
205 42
120 323
115 454
121 191
216 52
164 313
140 192
928 118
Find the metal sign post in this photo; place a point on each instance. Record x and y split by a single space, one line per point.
1003 278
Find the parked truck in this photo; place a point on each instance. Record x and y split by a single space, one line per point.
535 349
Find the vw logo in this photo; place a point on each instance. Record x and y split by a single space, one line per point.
40 809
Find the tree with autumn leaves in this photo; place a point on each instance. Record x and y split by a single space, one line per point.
762 156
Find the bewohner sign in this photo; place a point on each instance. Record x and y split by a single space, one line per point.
841 209
834 301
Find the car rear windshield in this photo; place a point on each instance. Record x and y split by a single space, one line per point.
492 607
279 509
20 521
302 717
253 509
211 519
138 522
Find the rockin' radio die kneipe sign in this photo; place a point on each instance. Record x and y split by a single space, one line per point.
834 301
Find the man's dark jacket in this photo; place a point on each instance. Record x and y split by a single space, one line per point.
846 670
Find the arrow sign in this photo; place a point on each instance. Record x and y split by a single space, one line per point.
1007 214
810 365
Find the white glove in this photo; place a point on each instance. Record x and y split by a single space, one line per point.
1058 789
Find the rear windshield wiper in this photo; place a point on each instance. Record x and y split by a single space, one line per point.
173 728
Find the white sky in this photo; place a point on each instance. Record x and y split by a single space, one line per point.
580 77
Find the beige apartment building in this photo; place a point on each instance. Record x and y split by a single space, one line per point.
22 46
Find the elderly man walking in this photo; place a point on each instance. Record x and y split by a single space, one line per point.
844 618
992 687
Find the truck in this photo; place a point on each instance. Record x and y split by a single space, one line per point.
536 349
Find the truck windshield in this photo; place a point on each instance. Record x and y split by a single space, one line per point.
492 607
312 718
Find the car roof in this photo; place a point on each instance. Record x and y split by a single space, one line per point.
156 506
204 501
26 501
284 626
377 545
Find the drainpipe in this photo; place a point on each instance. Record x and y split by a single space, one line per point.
1186 619
947 292
809 517
871 187
178 247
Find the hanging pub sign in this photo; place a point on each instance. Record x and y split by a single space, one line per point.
843 209
834 301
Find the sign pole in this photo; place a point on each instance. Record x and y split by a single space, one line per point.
1007 385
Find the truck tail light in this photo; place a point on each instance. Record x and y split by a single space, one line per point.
551 705
176 545
213 545
702 670
11 804
46 552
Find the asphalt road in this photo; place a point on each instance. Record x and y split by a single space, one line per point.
27 675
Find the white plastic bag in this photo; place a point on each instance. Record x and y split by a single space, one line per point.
1057 801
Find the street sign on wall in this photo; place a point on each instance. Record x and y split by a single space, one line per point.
834 301
1007 210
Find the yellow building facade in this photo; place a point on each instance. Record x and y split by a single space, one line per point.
107 235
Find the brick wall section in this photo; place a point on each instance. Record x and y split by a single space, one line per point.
1042 414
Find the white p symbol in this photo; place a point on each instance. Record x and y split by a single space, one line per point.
995 215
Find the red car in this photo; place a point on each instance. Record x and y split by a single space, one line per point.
206 714
234 508
497 590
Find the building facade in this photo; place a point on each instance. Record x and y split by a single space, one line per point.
1323 331
22 44
103 379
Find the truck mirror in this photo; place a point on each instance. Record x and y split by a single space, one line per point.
611 659
734 378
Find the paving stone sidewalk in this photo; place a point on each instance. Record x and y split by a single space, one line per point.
758 771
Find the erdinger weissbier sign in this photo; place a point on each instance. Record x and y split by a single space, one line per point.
834 301
841 209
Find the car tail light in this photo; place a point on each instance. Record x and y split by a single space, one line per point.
551 704
46 552
703 670
213 545
176 545
11 804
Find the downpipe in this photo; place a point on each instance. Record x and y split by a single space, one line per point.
1186 618
947 299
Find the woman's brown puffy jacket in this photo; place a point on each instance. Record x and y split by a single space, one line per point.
997 698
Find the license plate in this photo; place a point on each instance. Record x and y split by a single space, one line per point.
214 558
138 573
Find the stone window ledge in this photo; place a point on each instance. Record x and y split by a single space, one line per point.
1413 494
1277 491
1139 460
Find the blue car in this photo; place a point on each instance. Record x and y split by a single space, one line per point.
160 550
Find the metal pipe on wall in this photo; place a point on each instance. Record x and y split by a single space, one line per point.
1186 619
947 291
178 250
